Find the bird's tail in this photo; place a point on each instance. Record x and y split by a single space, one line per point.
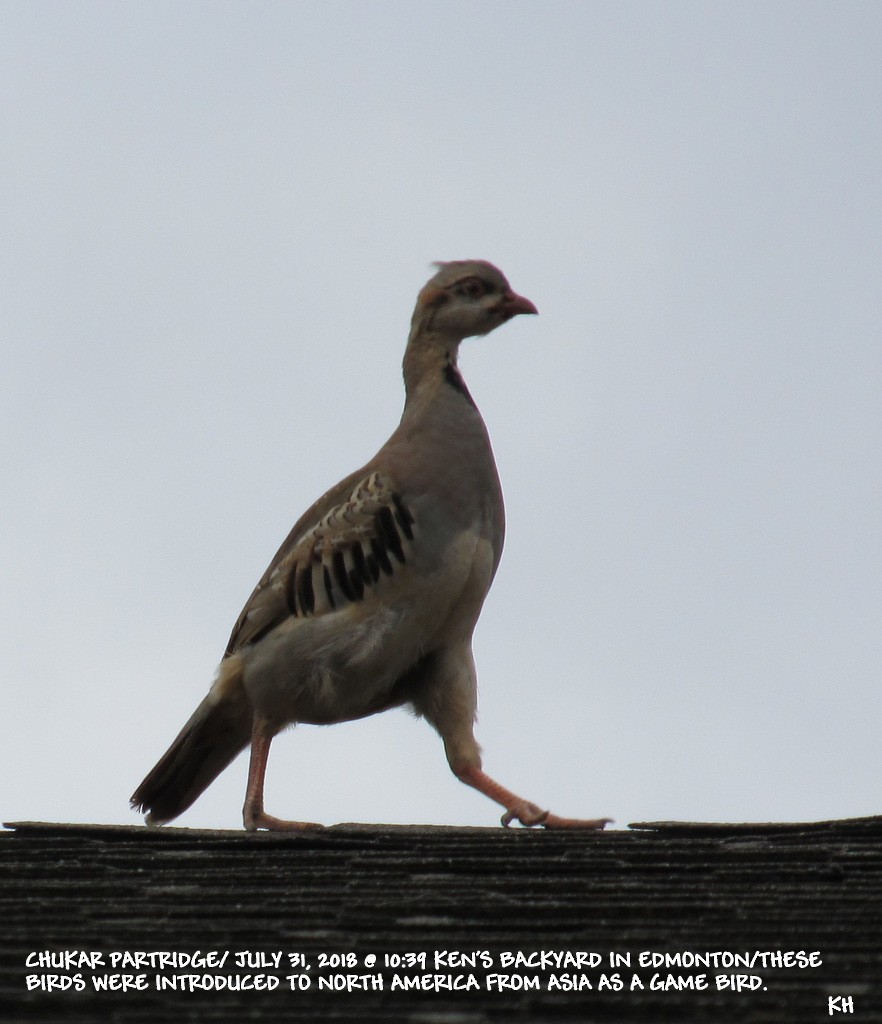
217 730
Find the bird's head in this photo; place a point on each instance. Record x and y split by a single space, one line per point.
465 298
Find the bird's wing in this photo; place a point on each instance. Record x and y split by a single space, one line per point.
357 542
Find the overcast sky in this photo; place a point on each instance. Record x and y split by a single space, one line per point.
215 220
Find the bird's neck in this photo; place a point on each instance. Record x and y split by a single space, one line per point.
430 366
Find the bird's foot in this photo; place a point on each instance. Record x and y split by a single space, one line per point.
518 809
529 815
255 820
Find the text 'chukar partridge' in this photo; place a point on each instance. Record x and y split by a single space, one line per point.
371 601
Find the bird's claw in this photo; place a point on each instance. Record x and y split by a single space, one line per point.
260 820
527 814
530 816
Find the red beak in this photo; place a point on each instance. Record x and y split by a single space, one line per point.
512 304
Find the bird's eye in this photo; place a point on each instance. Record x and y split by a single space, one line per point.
473 288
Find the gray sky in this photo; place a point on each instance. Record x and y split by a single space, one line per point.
216 219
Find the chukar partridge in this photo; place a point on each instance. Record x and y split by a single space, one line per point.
371 601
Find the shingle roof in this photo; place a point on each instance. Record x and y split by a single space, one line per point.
381 890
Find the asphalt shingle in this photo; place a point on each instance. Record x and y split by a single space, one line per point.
357 891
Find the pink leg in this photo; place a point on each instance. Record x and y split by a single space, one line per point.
516 807
253 813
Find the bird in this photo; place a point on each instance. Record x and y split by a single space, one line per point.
371 601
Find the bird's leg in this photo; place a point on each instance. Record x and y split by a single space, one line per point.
446 698
516 808
253 813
